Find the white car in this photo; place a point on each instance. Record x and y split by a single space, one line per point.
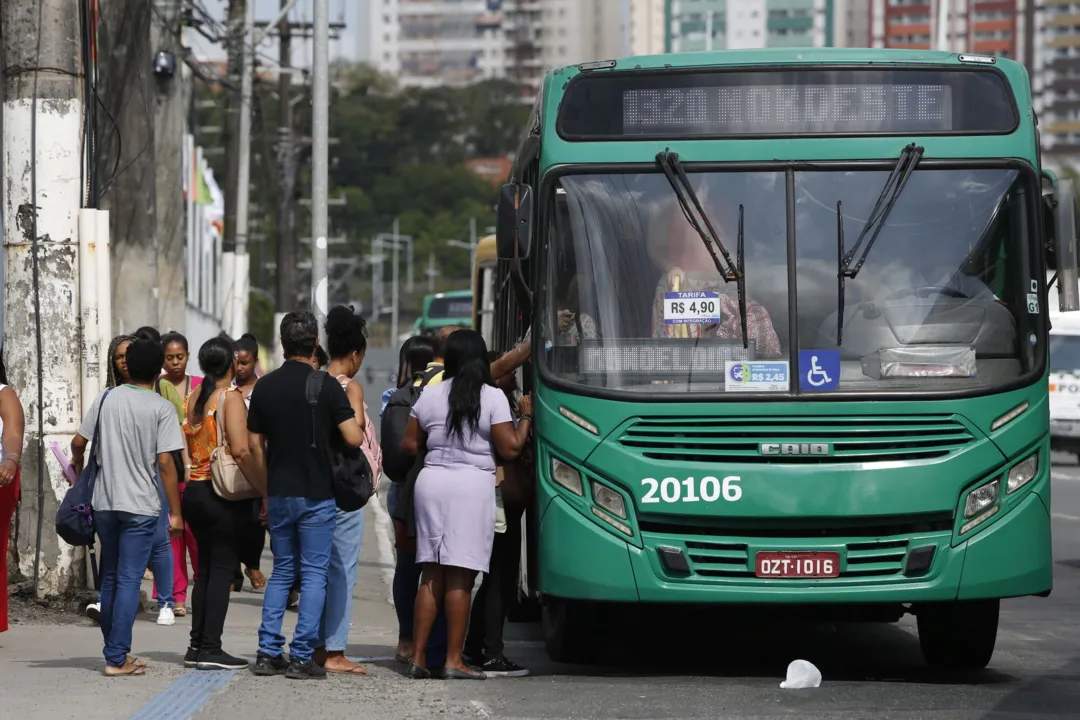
1065 385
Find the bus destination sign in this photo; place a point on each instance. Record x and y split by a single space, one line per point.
731 103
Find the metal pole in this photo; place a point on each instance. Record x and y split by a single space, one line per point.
320 157
472 246
408 266
394 291
375 264
942 39
287 249
239 282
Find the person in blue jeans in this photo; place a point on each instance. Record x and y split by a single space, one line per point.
137 434
346 343
295 437
161 564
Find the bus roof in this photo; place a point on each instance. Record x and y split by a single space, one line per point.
777 56
486 251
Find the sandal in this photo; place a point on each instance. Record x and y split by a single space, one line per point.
179 611
403 659
354 670
258 580
127 671
137 662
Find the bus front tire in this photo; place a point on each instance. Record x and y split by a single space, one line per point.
571 630
958 635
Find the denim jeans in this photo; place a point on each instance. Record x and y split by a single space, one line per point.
161 562
301 533
344 559
126 540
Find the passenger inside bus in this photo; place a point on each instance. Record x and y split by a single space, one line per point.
688 267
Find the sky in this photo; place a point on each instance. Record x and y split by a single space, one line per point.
351 46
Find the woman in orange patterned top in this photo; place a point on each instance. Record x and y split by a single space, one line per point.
212 519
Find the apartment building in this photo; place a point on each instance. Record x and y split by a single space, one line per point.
426 43
988 27
694 25
647 27
1053 61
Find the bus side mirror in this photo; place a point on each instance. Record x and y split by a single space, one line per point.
1068 279
513 230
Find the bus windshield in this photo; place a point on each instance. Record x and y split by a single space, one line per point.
945 301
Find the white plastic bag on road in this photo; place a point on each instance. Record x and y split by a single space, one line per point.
801 674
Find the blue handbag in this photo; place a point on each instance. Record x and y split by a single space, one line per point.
75 516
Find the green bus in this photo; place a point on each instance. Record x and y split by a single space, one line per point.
447 308
789 324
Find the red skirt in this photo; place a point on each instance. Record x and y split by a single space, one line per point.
9 496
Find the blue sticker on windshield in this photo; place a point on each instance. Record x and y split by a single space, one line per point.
819 369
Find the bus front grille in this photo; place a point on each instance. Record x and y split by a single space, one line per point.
849 439
863 559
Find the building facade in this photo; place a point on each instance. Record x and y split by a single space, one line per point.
647 27
427 43
695 25
988 27
1053 60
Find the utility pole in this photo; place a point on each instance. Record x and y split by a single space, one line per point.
287 250
236 41
42 192
470 246
941 39
320 160
236 322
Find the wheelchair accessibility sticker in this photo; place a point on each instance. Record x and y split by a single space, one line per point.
819 369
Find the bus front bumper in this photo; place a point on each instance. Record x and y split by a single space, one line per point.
585 561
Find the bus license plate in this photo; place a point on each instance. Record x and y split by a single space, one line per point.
797 564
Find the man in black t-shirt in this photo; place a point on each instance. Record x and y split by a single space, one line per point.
300 506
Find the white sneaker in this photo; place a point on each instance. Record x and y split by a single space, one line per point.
93 611
166 616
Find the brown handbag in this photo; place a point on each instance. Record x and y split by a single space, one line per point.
229 483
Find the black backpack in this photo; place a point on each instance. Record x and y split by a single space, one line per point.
350 473
395 417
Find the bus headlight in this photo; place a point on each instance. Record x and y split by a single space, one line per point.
608 499
981 498
1022 473
566 476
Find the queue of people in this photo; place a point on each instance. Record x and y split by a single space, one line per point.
208 466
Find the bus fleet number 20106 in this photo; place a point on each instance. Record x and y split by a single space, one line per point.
709 489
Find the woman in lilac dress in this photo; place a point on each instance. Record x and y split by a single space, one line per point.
459 421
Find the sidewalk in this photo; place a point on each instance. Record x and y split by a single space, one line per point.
54 671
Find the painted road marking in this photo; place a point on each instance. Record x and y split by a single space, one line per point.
185 697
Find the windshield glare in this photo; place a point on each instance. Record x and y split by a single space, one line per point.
634 301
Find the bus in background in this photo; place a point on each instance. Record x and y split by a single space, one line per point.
447 308
483 288
790 338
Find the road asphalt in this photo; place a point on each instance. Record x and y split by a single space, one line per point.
665 665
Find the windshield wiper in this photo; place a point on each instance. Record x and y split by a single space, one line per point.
684 193
894 187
